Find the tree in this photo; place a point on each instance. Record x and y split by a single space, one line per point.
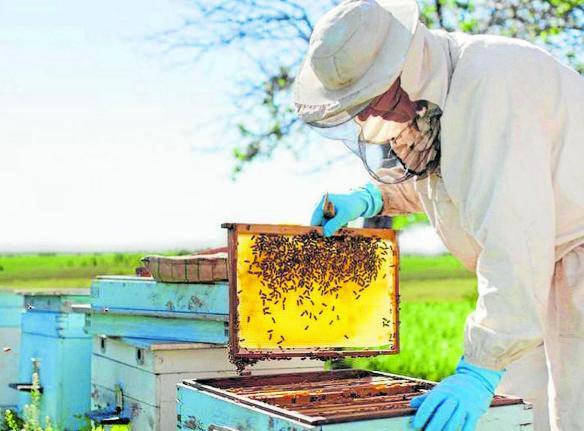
273 35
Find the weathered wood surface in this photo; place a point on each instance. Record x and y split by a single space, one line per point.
157 328
48 324
9 357
143 294
201 411
185 357
202 268
198 411
55 301
11 309
143 416
63 352
148 379
301 230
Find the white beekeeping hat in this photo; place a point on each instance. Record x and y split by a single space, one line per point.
356 52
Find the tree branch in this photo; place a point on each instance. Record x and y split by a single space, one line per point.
271 37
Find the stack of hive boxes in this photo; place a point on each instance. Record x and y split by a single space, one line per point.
53 344
149 336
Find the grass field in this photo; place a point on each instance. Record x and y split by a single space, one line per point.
430 341
437 294
62 270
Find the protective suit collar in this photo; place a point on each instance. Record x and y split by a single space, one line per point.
406 139
429 66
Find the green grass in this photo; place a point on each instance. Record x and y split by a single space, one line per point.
430 274
437 294
63 270
431 336
432 268
441 290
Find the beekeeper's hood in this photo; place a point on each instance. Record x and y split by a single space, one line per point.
358 51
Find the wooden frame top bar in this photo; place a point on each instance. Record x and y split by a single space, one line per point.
388 234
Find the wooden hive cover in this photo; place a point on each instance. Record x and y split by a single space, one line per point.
201 268
295 293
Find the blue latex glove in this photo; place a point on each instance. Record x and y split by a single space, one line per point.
458 402
363 202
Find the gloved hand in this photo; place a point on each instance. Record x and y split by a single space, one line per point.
363 202
458 401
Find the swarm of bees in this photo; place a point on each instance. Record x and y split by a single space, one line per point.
310 263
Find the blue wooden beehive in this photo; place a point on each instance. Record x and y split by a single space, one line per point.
11 308
139 307
341 400
53 341
134 380
149 336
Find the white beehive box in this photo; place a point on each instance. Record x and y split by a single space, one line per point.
147 373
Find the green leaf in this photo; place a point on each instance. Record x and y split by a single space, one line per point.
470 25
243 131
404 221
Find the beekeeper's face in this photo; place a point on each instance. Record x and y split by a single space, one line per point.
391 131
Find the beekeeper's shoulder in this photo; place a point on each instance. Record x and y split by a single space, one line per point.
495 60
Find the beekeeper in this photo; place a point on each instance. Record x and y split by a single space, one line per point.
486 135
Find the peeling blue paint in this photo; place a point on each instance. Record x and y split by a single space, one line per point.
11 309
139 293
54 337
139 307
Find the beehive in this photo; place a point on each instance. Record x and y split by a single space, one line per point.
11 308
144 375
53 342
336 400
149 336
139 307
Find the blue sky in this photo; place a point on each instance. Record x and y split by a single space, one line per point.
100 137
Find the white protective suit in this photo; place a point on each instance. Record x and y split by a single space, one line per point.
509 203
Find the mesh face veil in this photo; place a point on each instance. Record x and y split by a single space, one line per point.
390 133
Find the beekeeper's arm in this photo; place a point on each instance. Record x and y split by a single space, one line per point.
500 178
502 182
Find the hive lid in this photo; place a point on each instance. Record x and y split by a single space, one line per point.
64 301
199 268
294 293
